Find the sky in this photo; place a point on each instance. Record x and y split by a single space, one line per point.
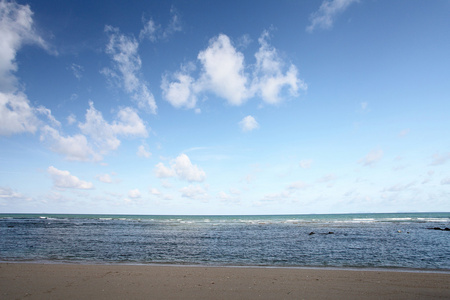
224 107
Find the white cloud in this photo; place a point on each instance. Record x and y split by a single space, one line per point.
105 178
194 192
223 70
298 185
154 32
161 171
16 114
181 92
149 31
399 187
228 198
248 124
327 178
63 179
71 119
181 167
77 71
269 79
306 163
6 193
445 180
278 197
134 194
174 25
74 147
98 138
127 62
129 123
223 73
143 152
16 29
186 170
329 9
48 113
371 157
104 135
439 159
155 191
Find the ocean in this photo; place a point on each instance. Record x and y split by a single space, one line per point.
404 241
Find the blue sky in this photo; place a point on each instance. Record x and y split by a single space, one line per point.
224 107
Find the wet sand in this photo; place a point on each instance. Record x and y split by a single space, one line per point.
77 281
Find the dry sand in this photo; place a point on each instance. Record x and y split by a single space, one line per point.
73 281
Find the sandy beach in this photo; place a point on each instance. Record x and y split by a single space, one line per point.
76 281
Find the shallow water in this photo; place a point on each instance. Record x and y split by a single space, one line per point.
351 240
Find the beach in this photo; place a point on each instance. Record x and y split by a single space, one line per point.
120 281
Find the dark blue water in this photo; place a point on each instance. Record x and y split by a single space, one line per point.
370 240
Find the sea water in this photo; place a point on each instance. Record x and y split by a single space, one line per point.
411 240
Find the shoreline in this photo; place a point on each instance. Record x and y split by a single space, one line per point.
118 281
326 268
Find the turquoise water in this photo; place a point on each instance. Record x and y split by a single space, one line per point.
407 240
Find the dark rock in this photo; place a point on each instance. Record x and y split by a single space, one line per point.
439 228
312 232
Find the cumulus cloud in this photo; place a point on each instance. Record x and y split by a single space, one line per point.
181 167
194 192
134 194
71 119
298 185
157 193
186 170
161 171
223 72
248 124
104 135
16 30
154 191
182 90
143 152
17 115
6 193
63 179
372 157
123 51
98 136
327 13
228 197
73 147
105 178
269 79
